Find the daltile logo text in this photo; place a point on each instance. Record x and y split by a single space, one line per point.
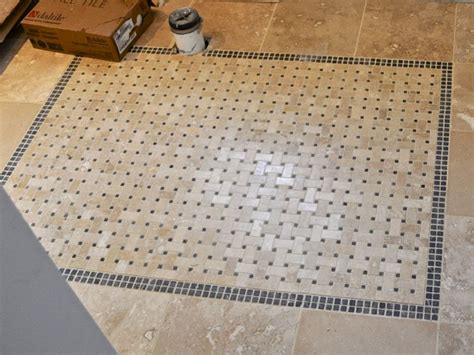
51 16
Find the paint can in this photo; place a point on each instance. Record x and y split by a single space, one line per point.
186 24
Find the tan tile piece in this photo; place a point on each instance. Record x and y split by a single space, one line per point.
203 326
158 34
464 39
148 322
457 286
460 174
335 333
32 75
15 119
328 27
463 98
407 29
129 319
455 339
232 25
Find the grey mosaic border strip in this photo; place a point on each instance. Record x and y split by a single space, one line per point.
38 121
428 311
251 295
435 253
406 63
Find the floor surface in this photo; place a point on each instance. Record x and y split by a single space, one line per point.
296 177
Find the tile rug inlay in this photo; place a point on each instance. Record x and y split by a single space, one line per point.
304 181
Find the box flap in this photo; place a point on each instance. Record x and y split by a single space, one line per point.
100 17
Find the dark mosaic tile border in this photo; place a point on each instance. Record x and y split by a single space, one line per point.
404 63
428 311
252 295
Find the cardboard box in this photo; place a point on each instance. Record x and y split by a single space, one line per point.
103 29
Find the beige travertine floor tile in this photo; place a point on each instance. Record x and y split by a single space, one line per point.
32 75
464 39
225 327
463 97
457 284
238 26
460 174
455 339
15 118
329 27
407 29
159 34
334 333
147 322
128 318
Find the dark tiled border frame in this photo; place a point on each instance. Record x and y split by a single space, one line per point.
428 311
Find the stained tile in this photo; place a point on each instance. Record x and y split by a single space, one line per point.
130 319
158 34
32 75
463 98
329 27
460 175
455 339
334 333
457 286
222 327
464 39
233 25
15 119
410 29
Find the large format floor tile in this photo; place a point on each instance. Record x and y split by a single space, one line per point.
153 323
463 98
239 26
464 40
128 318
226 328
329 27
31 75
15 119
334 333
455 339
460 175
457 284
409 29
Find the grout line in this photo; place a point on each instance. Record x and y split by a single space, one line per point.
437 336
268 27
454 30
296 332
360 28
460 323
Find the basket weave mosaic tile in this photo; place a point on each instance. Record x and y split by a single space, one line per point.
313 176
